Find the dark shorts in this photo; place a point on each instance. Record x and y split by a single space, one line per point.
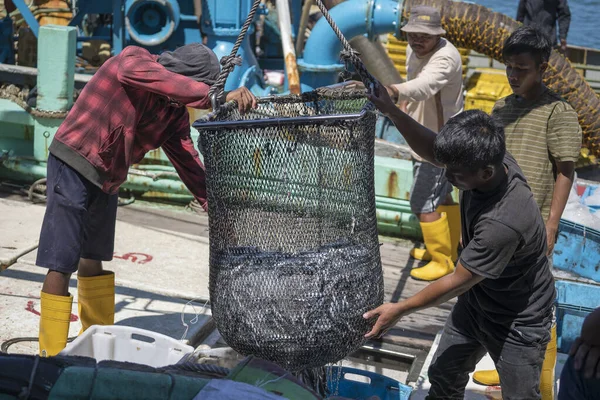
518 353
429 189
79 221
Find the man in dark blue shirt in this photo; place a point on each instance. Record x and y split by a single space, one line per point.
545 14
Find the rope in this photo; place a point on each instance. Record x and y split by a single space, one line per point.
17 96
6 345
229 62
348 54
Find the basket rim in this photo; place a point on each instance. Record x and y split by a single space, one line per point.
211 121
323 120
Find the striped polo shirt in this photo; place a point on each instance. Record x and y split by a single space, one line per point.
538 133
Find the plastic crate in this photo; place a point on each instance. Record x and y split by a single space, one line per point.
574 301
125 343
484 88
378 385
577 250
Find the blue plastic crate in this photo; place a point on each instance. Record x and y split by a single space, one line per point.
574 302
577 250
378 385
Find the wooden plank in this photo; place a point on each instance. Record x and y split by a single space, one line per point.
417 330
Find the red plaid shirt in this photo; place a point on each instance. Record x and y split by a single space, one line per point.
132 105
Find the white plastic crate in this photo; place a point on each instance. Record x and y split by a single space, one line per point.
125 343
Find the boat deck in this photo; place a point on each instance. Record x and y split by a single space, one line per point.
161 262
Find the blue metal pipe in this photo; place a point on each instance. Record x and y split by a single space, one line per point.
28 15
222 21
222 46
320 66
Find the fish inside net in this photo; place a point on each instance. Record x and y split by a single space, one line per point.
294 252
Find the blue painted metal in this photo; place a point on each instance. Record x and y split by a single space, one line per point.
319 66
574 302
85 7
296 10
222 21
150 22
28 15
224 17
118 32
577 250
222 46
378 385
157 25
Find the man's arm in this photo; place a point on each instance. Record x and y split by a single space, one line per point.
434 294
418 137
586 349
180 150
564 21
562 188
564 145
486 256
434 76
521 11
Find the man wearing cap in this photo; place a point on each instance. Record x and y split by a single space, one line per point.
432 94
136 102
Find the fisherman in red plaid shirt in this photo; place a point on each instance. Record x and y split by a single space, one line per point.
134 103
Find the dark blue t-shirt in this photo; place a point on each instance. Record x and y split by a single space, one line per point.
504 240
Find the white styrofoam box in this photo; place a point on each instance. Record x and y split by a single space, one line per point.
125 343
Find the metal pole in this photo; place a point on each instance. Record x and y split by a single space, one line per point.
302 28
55 81
285 27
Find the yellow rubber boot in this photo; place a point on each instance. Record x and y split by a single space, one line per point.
96 300
453 214
55 317
420 254
547 377
487 377
491 378
436 236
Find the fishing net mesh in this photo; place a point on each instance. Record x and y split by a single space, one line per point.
294 252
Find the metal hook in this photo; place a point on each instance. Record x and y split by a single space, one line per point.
214 101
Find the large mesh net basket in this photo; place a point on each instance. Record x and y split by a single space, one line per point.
294 253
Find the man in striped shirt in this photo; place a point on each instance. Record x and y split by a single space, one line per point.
544 136
542 131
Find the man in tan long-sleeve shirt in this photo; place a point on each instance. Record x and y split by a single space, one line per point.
433 94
